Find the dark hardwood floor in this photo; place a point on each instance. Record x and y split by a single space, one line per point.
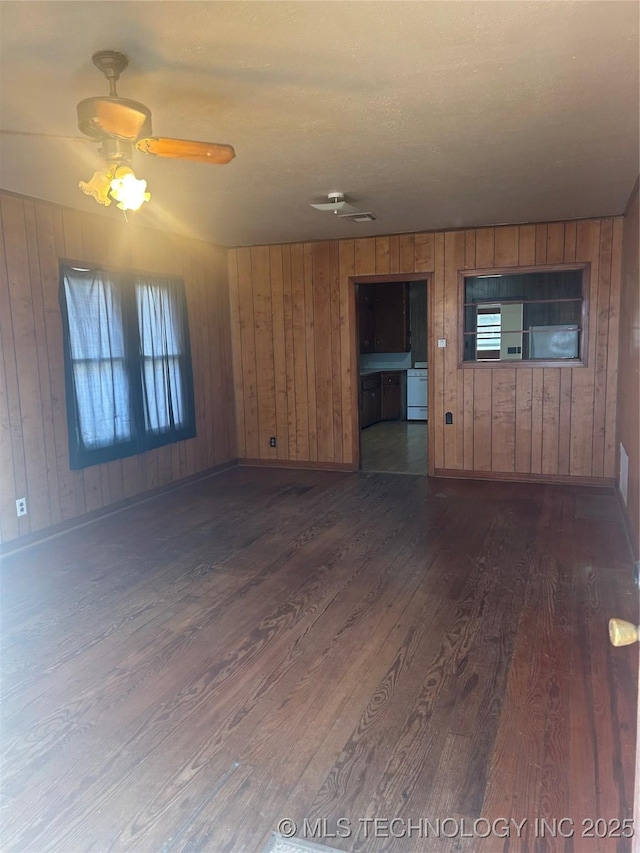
274 644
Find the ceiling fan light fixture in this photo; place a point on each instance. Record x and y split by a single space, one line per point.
117 183
98 187
130 192
335 204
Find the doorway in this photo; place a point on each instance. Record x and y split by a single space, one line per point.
391 341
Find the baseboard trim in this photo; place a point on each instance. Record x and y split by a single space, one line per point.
508 476
39 536
291 463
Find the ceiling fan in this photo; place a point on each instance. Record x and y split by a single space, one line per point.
121 126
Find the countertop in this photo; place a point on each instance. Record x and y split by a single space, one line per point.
369 370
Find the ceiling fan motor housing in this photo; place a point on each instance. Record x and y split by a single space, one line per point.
119 117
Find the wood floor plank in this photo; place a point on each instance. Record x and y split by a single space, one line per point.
318 645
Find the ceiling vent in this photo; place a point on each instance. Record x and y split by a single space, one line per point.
358 217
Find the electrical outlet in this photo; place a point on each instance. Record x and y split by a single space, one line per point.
21 507
272 441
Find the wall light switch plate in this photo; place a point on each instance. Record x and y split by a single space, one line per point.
442 342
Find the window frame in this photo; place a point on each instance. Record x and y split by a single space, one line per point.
497 364
143 440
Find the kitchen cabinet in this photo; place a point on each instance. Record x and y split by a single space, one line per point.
370 400
366 325
382 397
392 388
391 318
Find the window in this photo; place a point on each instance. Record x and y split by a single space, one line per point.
515 316
127 363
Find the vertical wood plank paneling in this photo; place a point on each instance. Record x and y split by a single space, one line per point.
217 308
292 424
527 245
300 347
582 380
382 255
236 342
33 421
365 256
541 244
280 317
193 448
48 260
279 351
524 381
569 242
247 333
346 261
555 243
226 356
610 449
8 519
26 360
503 419
507 246
213 414
322 350
423 246
550 419
265 371
627 272
407 253
394 254
201 284
468 397
437 370
311 356
470 250
564 436
469 375
601 332
485 248
537 396
336 351
50 484
13 481
454 248
482 406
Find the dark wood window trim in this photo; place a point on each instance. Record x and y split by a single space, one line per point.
583 358
143 436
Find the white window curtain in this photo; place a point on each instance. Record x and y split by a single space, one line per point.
161 350
97 343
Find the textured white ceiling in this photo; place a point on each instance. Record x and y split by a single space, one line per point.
430 114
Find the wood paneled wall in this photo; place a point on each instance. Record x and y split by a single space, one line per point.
34 459
629 380
292 314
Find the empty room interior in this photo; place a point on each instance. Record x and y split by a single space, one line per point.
319 426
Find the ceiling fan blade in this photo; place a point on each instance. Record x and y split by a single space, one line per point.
44 135
185 149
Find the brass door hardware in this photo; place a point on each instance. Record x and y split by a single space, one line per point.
623 633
